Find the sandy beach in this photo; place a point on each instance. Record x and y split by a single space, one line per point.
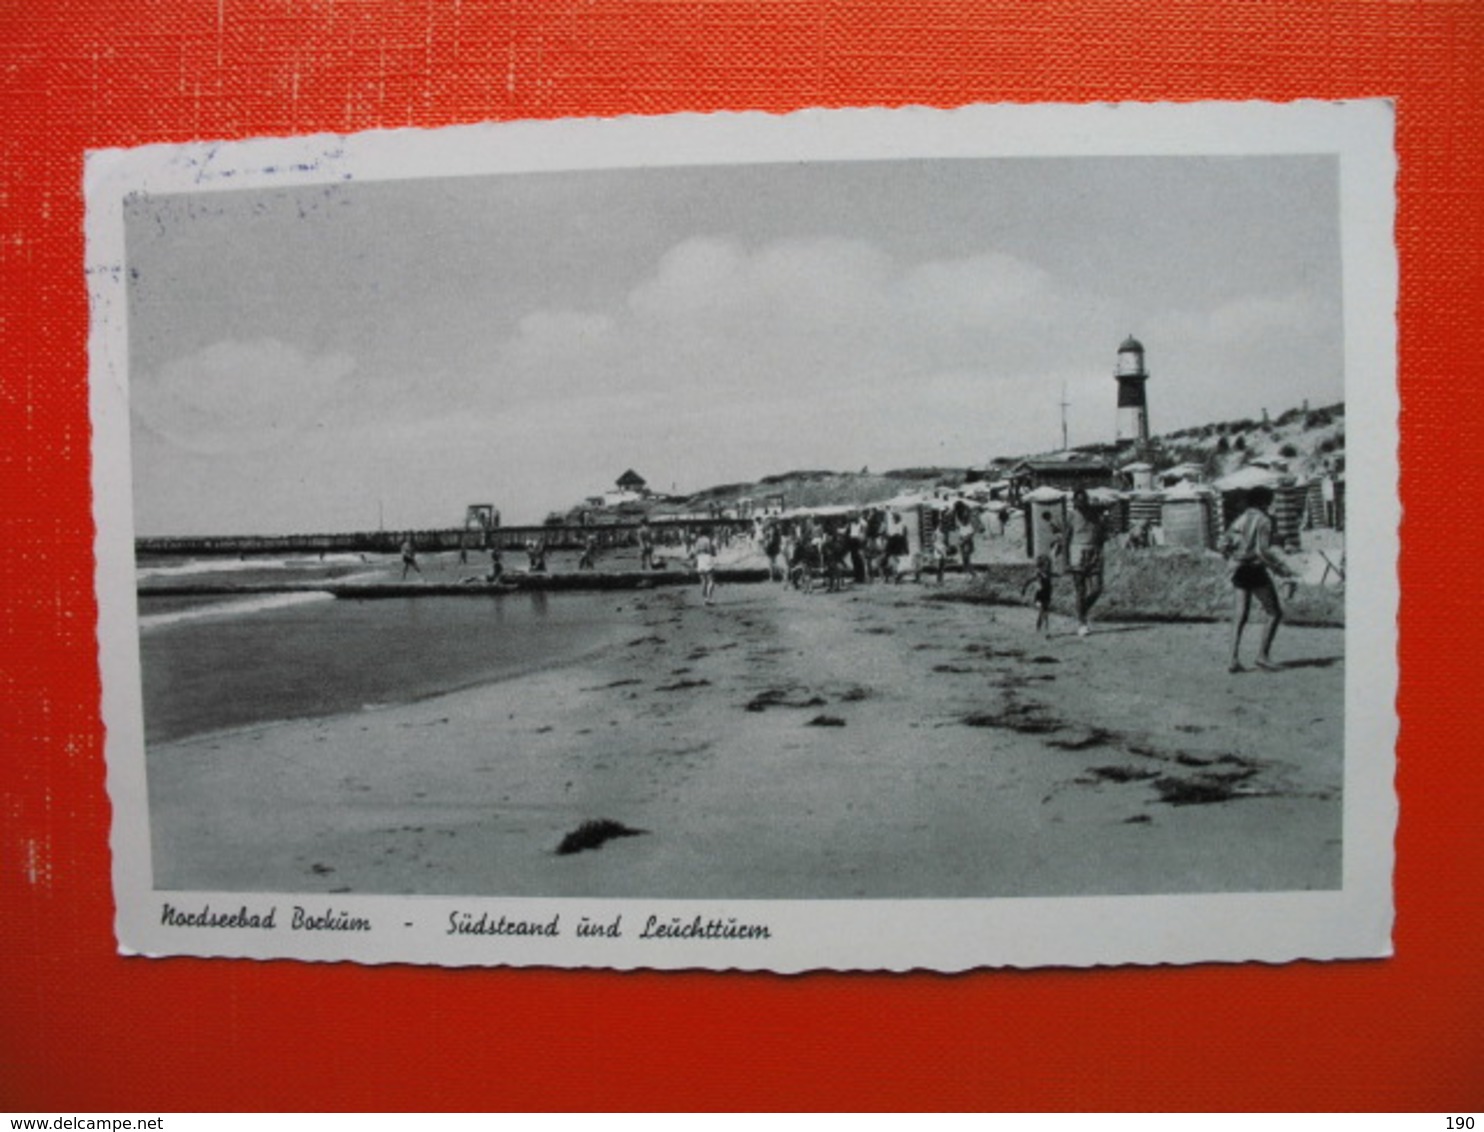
871 743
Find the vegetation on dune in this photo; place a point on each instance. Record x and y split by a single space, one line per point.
1310 440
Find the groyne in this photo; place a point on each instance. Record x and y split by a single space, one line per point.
584 580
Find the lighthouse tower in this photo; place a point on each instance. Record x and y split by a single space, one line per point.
1133 408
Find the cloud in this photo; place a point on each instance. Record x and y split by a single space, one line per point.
1244 321
784 317
552 335
236 396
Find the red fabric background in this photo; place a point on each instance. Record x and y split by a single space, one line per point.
81 1028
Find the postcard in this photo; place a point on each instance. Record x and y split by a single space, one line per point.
873 539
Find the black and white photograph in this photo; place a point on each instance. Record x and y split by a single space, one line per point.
850 539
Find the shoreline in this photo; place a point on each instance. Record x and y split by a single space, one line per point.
867 744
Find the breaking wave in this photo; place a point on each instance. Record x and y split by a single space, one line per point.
239 565
236 608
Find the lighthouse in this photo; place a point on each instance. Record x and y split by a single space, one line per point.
1133 408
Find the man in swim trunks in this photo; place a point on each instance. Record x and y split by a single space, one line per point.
1249 544
1085 556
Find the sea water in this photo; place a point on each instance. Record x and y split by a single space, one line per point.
211 662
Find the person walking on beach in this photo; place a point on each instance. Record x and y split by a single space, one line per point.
875 546
897 548
704 552
536 556
589 558
1085 556
940 547
409 557
855 543
835 556
967 525
1249 545
773 548
646 546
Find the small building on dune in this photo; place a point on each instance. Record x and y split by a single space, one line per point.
1063 473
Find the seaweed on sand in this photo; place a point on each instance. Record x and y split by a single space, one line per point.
592 834
1120 774
1204 789
780 697
1022 718
1094 737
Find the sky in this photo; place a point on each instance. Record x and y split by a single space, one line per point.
340 357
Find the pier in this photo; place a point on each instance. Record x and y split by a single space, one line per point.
556 537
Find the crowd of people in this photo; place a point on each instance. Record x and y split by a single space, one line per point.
873 545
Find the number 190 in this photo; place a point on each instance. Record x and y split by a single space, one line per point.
1460 1124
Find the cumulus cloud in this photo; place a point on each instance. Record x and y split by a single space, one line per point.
784 317
236 396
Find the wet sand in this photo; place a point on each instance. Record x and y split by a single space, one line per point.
872 743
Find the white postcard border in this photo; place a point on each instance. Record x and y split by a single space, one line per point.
795 936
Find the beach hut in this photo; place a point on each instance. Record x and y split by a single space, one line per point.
1144 510
1288 513
1045 511
1235 487
1138 476
1188 516
912 507
1113 506
1182 473
1319 502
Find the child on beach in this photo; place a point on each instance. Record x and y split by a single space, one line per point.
1042 597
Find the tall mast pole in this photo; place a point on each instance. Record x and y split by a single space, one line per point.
1064 403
